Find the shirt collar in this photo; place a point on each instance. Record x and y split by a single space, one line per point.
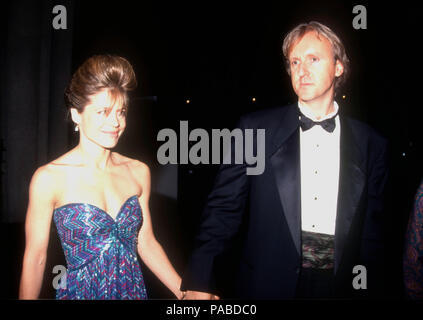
308 113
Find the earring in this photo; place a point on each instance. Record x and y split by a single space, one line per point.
76 128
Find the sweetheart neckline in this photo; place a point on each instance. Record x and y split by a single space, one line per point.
102 210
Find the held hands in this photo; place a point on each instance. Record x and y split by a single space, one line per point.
198 295
181 295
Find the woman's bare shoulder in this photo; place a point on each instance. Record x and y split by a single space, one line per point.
44 184
139 169
44 175
50 175
134 164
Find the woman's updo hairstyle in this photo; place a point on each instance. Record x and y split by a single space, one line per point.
97 73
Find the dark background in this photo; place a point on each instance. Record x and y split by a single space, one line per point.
219 55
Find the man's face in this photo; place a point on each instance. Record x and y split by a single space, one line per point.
313 68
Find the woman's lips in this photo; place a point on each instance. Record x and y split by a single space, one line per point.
111 133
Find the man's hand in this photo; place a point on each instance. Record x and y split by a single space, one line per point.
198 295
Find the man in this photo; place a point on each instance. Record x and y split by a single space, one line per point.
316 211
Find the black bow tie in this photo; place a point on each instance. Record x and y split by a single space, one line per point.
307 123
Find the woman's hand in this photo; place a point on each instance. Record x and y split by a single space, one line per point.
197 295
182 295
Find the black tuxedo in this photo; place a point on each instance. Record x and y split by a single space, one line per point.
271 204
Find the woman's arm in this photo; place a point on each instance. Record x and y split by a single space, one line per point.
149 249
37 232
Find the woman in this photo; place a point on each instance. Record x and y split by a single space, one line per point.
413 255
97 198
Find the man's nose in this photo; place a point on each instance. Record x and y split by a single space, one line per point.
302 69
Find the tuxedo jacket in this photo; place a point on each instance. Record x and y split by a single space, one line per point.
270 206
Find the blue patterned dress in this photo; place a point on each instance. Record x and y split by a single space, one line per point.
413 255
100 252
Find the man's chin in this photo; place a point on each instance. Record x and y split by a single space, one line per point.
306 98
305 94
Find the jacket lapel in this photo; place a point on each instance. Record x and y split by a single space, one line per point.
352 180
285 159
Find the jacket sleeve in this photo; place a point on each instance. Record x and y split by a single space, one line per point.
220 221
374 236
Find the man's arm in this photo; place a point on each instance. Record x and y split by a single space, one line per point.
220 221
374 236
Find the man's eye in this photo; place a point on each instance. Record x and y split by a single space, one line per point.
101 112
314 59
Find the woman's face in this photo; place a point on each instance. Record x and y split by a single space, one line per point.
103 119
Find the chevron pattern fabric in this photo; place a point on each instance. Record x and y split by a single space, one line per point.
100 251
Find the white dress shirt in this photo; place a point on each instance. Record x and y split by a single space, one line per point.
319 154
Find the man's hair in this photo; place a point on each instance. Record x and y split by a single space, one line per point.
297 34
100 72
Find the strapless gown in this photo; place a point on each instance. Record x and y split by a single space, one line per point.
100 251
